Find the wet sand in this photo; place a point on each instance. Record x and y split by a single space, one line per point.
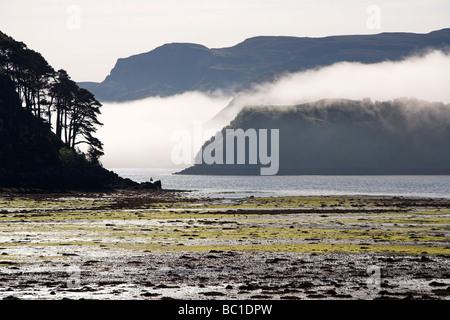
169 245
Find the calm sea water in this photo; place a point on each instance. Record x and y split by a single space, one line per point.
241 186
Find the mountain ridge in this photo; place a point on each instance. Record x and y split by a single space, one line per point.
175 68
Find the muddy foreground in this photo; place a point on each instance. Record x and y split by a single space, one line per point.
169 245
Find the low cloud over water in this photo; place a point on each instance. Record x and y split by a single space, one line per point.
139 133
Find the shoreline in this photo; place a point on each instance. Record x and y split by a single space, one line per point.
160 244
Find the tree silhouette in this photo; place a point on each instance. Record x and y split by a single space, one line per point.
42 91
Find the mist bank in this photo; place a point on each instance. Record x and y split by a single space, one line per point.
139 134
424 76
343 136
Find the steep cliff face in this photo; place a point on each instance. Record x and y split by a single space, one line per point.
179 67
404 136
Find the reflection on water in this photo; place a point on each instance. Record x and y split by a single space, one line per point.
242 186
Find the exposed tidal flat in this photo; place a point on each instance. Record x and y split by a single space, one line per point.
171 245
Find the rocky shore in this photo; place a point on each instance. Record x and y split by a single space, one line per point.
159 244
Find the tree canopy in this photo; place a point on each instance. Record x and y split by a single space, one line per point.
52 96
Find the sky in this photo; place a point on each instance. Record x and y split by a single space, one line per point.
86 37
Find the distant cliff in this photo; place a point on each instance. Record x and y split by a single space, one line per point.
404 136
180 67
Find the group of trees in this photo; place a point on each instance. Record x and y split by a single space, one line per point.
52 96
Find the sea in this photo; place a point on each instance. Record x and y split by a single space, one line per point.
232 187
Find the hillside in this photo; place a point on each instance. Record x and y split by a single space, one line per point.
31 156
404 136
180 67
34 101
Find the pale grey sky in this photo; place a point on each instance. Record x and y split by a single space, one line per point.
86 37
